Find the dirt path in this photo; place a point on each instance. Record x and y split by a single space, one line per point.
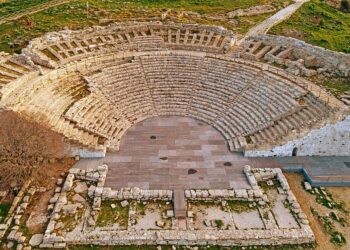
266 25
31 10
307 200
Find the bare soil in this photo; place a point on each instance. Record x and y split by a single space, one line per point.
27 149
307 200
40 200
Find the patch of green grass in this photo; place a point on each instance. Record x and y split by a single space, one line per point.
219 223
109 216
335 86
25 230
70 221
203 203
247 22
239 206
141 208
75 14
9 7
319 24
265 187
4 209
200 6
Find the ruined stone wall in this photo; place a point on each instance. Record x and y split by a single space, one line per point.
330 140
330 61
90 234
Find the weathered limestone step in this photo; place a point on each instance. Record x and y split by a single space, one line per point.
179 203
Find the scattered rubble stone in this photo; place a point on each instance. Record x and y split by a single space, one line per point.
81 187
36 239
124 203
307 186
169 213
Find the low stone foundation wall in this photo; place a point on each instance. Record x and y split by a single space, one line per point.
86 153
136 194
16 209
90 234
12 228
198 237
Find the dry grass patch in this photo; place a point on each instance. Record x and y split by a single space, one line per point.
109 216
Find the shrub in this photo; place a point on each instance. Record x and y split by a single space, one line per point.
219 223
345 6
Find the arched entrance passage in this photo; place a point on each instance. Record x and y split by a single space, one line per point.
295 151
169 152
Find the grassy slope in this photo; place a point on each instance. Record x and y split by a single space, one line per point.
319 24
74 15
9 7
336 86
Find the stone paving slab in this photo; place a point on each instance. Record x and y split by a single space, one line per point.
248 220
183 143
160 152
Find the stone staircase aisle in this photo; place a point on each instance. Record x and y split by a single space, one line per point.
180 205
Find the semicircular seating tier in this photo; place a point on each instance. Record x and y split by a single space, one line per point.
62 47
92 98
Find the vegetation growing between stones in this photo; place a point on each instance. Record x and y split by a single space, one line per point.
70 221
141 208
319 24
336 86
203 203
240 206
326 199
109 216
327 222
219 223
266 187
4 208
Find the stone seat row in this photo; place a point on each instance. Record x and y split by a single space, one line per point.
173 87
246 104
94 113
187 93
77 44
63 93
314 111
258 50
11 69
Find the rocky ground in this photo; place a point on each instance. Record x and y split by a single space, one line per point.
307 201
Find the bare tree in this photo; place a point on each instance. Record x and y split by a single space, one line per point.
24 147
